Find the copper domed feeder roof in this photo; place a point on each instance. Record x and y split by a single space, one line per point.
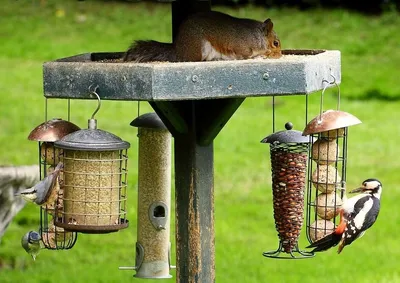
330 120
52 130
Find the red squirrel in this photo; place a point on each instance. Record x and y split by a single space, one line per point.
208 36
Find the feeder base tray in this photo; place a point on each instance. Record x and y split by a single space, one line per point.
296 253
92 229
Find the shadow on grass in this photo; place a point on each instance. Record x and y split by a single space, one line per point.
373 94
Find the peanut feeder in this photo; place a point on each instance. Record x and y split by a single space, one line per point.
326 170
95 181
154 198
289 150
54 238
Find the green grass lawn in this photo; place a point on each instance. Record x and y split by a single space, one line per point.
33 33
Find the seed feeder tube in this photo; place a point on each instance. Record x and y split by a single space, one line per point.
289 155
53 238
154 198
328 133
95 180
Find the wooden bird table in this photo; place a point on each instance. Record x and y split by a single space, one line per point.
194 100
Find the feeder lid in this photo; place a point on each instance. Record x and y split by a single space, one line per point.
92 140
52 130
330 120
148 120
286 136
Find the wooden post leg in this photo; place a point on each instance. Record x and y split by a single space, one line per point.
194 195
194 125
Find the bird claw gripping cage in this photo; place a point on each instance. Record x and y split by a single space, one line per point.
328 133
53 237
289 155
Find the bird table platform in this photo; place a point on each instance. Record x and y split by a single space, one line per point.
194 100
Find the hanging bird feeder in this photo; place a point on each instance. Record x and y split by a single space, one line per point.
95 180
289 155
326 186
49 157
153 255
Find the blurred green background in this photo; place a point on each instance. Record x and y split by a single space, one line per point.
34 32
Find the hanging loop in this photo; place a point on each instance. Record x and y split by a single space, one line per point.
328 83
98 99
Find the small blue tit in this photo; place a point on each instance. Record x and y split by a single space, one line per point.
41 192
31 243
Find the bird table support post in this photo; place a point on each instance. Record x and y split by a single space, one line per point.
194 194
194 125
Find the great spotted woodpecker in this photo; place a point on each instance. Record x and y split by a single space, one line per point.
357 214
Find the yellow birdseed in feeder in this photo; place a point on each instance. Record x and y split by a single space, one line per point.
324 151
325 178
327 205
92 187
320 228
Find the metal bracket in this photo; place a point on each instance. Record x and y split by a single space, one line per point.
138 259
169 257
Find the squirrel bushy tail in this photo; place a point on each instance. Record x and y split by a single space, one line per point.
150 50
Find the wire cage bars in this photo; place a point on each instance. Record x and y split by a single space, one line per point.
95 181
53 237
326 186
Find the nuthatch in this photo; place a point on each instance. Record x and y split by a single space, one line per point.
41 192
31 243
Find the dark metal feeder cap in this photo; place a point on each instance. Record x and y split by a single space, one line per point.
148 120
92 140
52 130
286 136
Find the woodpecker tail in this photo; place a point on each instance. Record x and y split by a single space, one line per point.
150 50
326 242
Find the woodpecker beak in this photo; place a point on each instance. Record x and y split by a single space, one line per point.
358 190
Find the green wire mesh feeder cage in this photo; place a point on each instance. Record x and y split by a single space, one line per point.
289 155
328 134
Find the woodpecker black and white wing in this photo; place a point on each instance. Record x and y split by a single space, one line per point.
364 216
365 213
325 243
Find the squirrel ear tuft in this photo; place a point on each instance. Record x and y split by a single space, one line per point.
268 25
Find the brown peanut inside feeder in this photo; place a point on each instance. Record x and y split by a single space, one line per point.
94 181
289 155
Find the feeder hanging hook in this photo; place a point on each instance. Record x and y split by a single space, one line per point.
92 123
322 95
